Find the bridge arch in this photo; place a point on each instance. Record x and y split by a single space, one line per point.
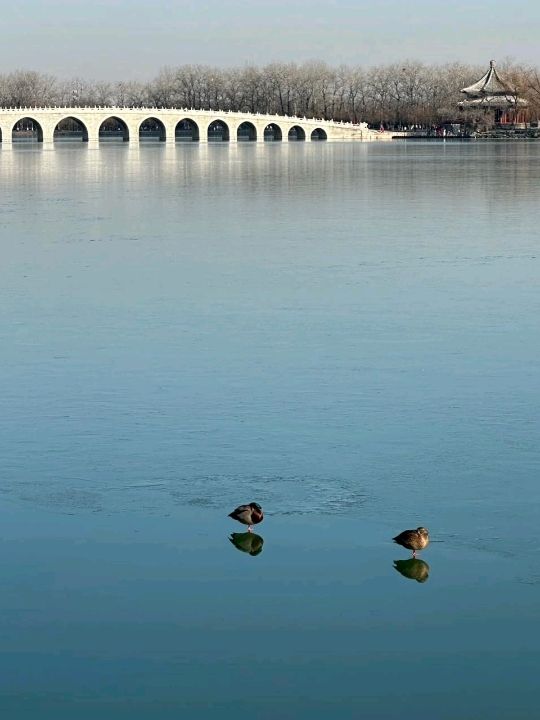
273 132
151 128
217 131
319 134
246 132
27 129
296 133
113 128
186 130
70 128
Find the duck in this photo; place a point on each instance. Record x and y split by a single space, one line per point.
250 514
413 568
414 540
248 542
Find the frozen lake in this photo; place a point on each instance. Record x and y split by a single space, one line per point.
348 334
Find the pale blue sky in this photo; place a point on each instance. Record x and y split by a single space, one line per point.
132 39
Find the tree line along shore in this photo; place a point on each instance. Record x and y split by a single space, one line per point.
396 95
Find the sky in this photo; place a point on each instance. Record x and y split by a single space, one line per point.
133 39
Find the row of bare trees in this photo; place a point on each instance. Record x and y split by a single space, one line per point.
409 93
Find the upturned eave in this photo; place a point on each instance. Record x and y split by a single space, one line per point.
489 84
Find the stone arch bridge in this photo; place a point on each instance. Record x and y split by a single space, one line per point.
92 124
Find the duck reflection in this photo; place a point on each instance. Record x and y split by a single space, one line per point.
414 569
247 542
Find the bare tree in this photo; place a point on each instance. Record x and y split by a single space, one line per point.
27 88
400 94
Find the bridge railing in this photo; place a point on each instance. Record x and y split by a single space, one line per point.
174 110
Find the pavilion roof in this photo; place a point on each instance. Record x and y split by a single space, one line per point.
489 84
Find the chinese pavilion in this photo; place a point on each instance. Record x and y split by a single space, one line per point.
491 93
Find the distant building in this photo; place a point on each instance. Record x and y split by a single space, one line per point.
493 95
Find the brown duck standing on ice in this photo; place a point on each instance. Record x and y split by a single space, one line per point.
249 515
414 540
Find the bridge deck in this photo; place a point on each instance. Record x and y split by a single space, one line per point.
170 125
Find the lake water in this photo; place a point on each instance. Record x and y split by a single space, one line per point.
348 334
